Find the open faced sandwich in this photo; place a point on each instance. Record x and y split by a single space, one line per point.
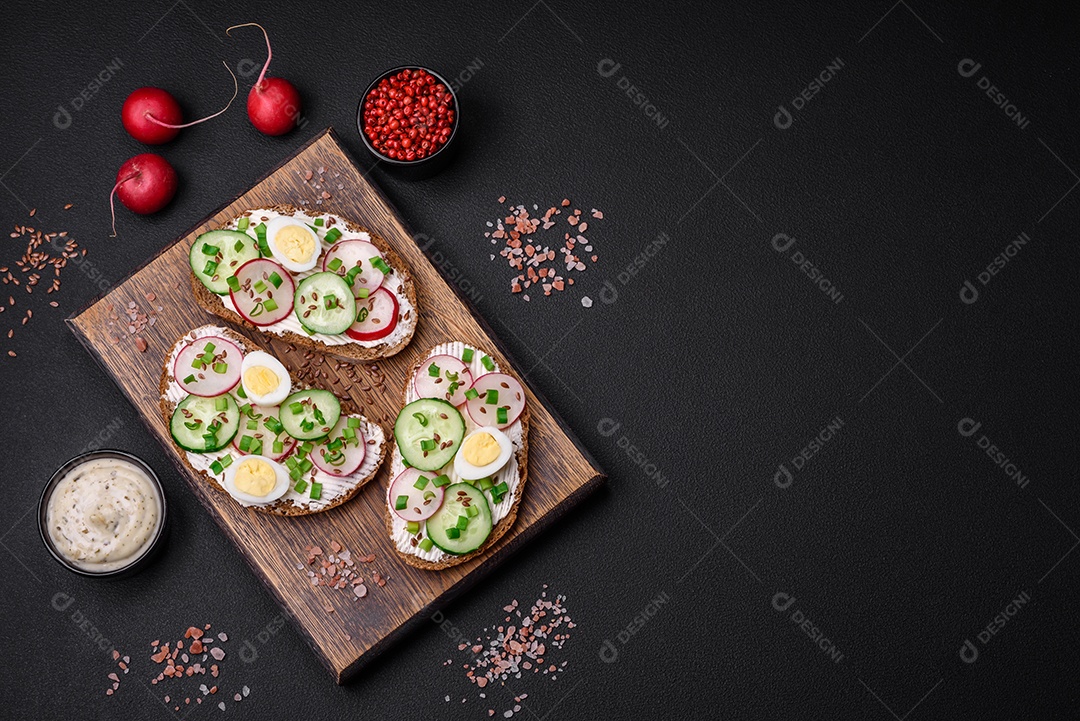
319 281
252 434
460 458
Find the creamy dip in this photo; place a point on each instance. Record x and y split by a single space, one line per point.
103 514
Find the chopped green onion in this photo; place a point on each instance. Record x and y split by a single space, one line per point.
238 246
252 425
234 283
473 511
485 483
192 425
291 463
500 489
275 279
297 408
413 527
190 378
209 347
334 445
488 363
245 443
362 293
462 522
316 491
401 503
210 268
319 222
274 425
242 224
211 250
362 314
295 473
492 397
380 264
453 532
421 483
406 463
471 394
353 422
429 495
421 419
334 264
301 486
260 286
466 355
332 235
350 277
207 357
330 301
226 460
433 370
305 466
278 447
256 447
216 468
440 481
427 444
348 433
221 368
240 391
426 544
307 426
260 233
501 415
270 304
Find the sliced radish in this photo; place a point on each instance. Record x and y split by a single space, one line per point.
200 375
257 288
379 314
511 396
347 459
423 502
258 414
352 253
448 371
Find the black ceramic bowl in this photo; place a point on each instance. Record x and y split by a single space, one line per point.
411 169
138 563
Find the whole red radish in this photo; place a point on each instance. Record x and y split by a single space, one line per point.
273 103
152 115
145 184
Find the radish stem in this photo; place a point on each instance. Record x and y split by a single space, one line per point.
112 196
236 89
269 52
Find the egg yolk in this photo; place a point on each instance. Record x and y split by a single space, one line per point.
260 380
295 243
255 477
481 449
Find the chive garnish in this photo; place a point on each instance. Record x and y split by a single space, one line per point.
210 250
433 371
440 481
301 486
379 263
275 279
501 415
420 418
492 397
332 235
488 363
242 225
426 544
466 355
190 378
316 491
453 532
270 304
401 503
334 264
427 444
471 394
233 283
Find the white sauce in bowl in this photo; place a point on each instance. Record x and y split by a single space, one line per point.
103 514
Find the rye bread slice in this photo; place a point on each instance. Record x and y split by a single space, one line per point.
281 507
212 303
521 456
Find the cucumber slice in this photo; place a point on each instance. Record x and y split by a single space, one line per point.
309 415
429 433
459 499
221 252
313 296
196 416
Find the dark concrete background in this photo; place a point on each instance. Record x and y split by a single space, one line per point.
696 387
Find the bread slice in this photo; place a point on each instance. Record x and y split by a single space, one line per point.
212 303
283 506
521 456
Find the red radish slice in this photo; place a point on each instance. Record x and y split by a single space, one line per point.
450 370
205 381
511 397
353 253
380 316
251 302
419 508
264 434
349 457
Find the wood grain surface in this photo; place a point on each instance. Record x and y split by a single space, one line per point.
560 472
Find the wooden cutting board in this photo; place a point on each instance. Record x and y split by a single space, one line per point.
560 472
